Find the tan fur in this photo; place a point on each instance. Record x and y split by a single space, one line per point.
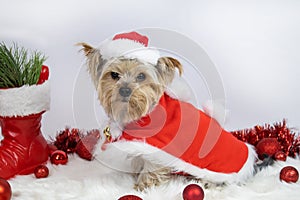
144 97
166 67
93 61
149 174
86 48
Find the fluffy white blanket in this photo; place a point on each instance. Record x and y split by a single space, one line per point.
81 179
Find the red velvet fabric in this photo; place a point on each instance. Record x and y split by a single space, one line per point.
185 132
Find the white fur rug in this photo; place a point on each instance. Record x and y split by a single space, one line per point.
90 180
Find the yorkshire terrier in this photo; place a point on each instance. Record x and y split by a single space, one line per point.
160 134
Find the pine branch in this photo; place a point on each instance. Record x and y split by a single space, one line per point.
17 68
8 73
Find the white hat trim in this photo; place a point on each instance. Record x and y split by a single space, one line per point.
129 49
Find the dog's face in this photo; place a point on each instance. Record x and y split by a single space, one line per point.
128 88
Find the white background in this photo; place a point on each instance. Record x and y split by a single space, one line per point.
254 45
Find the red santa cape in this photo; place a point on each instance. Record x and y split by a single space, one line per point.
178 135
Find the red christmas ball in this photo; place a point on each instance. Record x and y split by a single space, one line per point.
193 192
130 197
44 75
41 171
280 155
5 190
59 157
267 147
289 174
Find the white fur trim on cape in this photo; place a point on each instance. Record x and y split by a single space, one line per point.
157 156
25 100
128 49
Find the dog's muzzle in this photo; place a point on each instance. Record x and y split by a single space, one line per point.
125 91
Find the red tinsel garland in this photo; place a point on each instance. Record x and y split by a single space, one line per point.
73 140
289 140
68 139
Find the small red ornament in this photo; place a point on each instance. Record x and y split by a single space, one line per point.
44 75
280 155
5 190
130 197
86 145
193 192
41 171
289 174
267 147
59 157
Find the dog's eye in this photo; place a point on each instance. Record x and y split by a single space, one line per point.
141 77
115 75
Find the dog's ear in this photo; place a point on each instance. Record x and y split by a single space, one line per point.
94 61
166 67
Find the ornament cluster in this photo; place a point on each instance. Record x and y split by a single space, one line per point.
68 141
73 140
289 141
275 141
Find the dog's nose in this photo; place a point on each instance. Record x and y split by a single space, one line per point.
125 91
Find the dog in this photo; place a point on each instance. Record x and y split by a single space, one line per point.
160 134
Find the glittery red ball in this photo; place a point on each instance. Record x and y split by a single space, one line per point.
280 155
5 190
59 157
41 171
289 174
130 197
267 147
193 192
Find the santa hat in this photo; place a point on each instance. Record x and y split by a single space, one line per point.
129 45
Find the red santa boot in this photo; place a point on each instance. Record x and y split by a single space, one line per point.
23 146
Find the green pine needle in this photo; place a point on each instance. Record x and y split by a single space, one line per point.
17 68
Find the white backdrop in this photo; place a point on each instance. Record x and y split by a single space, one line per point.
253 43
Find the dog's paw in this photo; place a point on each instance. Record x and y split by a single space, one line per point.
211 185
153 178
149 174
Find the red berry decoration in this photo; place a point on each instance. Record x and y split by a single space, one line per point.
5 190
130 197
59 157
289 174
280 156
193 192
267 147
41 171
44 74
